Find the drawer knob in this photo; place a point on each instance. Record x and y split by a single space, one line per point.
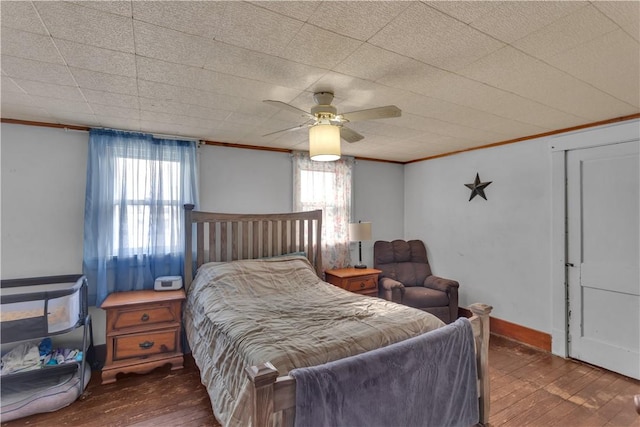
144 317
146 345
362 285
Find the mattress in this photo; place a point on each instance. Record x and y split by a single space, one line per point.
243 313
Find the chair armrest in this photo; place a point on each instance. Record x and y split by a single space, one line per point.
388 284
391 290
441 284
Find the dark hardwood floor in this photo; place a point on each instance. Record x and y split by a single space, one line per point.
529 387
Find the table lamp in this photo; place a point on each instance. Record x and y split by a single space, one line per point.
358 232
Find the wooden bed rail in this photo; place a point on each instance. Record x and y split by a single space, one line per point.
229 237
273 393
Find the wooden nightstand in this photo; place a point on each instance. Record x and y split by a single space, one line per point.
359 280
143 332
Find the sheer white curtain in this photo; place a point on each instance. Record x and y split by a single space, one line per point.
326 186
134 216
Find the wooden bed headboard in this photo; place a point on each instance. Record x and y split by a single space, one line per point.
229 237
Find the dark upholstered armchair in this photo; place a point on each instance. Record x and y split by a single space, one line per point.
406 278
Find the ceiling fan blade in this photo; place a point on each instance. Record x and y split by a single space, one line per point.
303 125
285 106
385 112
350 135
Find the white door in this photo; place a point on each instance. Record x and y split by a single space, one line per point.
603 207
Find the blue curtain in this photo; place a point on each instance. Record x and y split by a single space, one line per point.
134 218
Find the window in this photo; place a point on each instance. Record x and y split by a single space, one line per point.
134 217
326 186
134 200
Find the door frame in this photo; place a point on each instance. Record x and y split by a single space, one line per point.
559 146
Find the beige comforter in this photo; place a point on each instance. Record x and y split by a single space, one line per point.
243 313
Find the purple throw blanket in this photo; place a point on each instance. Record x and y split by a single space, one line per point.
428 380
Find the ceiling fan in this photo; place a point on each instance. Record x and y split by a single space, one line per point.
323 113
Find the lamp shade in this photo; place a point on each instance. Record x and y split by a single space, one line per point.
324 143
360 231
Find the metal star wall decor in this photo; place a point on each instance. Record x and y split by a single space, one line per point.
477 188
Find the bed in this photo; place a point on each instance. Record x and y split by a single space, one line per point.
258 318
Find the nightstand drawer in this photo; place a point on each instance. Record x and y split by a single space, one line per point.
361 283
148 315
146 344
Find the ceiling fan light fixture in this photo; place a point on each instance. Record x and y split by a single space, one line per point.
324 143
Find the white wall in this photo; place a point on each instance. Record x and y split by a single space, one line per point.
379 198
498 249
43 179
43 185
245 181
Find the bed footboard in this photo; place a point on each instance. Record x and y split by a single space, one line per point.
273 393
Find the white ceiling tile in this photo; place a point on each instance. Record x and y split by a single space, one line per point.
113 111
230 126
253 65
514 20
49 90
387 128
21 15
568 32
610 63
104 82
27 69
249 26
415 76
244 88
168 73
25 112
359 20
110 98
169 45
274 128
465 11
185 95
200 18
118 7
513 71
156 116
97 59
320 48
423 33
624 13
462 91
300 10
18 98
171 107
262 109
373 63
456 130
352 93
27 45
81 24
490 122
120 123
76 118
159 127
8 85
191 132
204 68
54 105
243 119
